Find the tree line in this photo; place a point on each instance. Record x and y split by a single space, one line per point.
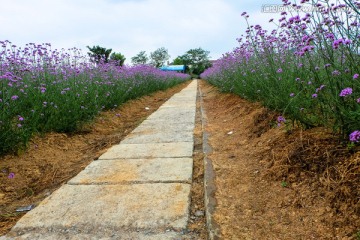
196 60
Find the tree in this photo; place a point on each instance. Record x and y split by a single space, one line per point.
140 58
117 58
178 61
99 54
182 60
198 58
159 57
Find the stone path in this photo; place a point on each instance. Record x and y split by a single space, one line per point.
138 189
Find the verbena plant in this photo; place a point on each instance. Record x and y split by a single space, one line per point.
307 68
43 90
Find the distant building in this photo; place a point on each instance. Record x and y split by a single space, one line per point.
177 68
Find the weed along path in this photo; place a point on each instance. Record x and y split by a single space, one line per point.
138 189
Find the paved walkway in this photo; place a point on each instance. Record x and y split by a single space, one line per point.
138 189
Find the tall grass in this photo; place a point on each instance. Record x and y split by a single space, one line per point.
307 67
43 90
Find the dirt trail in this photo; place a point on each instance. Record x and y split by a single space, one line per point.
264 189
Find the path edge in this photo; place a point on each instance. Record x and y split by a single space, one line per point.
209 176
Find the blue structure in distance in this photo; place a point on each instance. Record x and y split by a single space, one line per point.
179 68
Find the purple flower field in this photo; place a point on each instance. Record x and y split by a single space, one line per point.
43 90
307 67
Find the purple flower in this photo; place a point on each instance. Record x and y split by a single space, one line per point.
356 75
11 175
314 95
345 92
355 136
335 73
358 100
279 70
281 119
340 41
320 88
292 94
21 118
347 41
14 97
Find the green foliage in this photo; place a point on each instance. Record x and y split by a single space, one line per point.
284 184
178 61
99 54
308 70
40 92
197 59
357 235
159 57
117 58
140 59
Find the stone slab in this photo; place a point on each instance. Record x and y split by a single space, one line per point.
190 94
179 105
149 150
156 125
173 114
136 170
94 207
182 98
158 136
174 120
67 234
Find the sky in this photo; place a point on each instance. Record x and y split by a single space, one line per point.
131 26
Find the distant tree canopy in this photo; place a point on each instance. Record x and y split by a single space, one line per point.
140 59
159 57
99 54
197 59
117 58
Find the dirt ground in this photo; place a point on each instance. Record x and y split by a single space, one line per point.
276 183
271 182
53 159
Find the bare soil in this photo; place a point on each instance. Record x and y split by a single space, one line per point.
53 159
276 183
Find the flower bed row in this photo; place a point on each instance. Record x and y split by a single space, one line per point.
307 68
43 90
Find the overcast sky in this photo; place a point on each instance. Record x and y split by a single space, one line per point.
131 26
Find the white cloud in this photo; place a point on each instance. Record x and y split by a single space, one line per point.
126 26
